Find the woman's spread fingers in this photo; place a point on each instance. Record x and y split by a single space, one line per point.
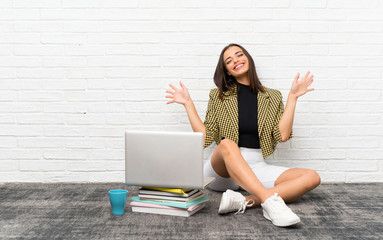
168 96
309 82
171 92
296 77
172 86
305 76
170 102
182 85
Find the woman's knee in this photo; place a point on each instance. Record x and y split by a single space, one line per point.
227 145
228 150
313 179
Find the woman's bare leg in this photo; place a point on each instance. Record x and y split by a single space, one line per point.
227 161
292 184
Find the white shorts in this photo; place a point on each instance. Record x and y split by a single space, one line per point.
267 174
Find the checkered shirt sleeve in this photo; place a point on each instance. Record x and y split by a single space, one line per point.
211 119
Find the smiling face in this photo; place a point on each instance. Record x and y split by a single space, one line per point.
235 65
236 62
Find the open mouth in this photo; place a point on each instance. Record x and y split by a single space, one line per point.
239 66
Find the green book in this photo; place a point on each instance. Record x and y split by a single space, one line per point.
170 204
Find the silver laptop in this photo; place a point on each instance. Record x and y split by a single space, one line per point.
164 159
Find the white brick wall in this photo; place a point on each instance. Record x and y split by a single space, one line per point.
74 74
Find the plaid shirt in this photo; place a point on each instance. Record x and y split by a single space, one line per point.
221 119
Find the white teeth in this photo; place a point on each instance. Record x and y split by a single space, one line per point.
240 65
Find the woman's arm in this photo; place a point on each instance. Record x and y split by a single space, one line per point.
194 119
182 96
298 88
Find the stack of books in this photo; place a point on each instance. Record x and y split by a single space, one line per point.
169 201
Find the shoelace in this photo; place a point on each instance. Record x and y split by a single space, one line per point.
244 204
278 204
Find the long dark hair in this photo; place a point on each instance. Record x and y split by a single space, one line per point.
224 81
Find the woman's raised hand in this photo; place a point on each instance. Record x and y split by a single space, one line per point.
178 95
299 88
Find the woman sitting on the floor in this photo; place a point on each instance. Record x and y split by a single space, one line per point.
247 120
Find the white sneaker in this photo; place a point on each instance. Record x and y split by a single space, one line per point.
233 201
275 210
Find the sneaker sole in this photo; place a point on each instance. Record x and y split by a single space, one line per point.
280 224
